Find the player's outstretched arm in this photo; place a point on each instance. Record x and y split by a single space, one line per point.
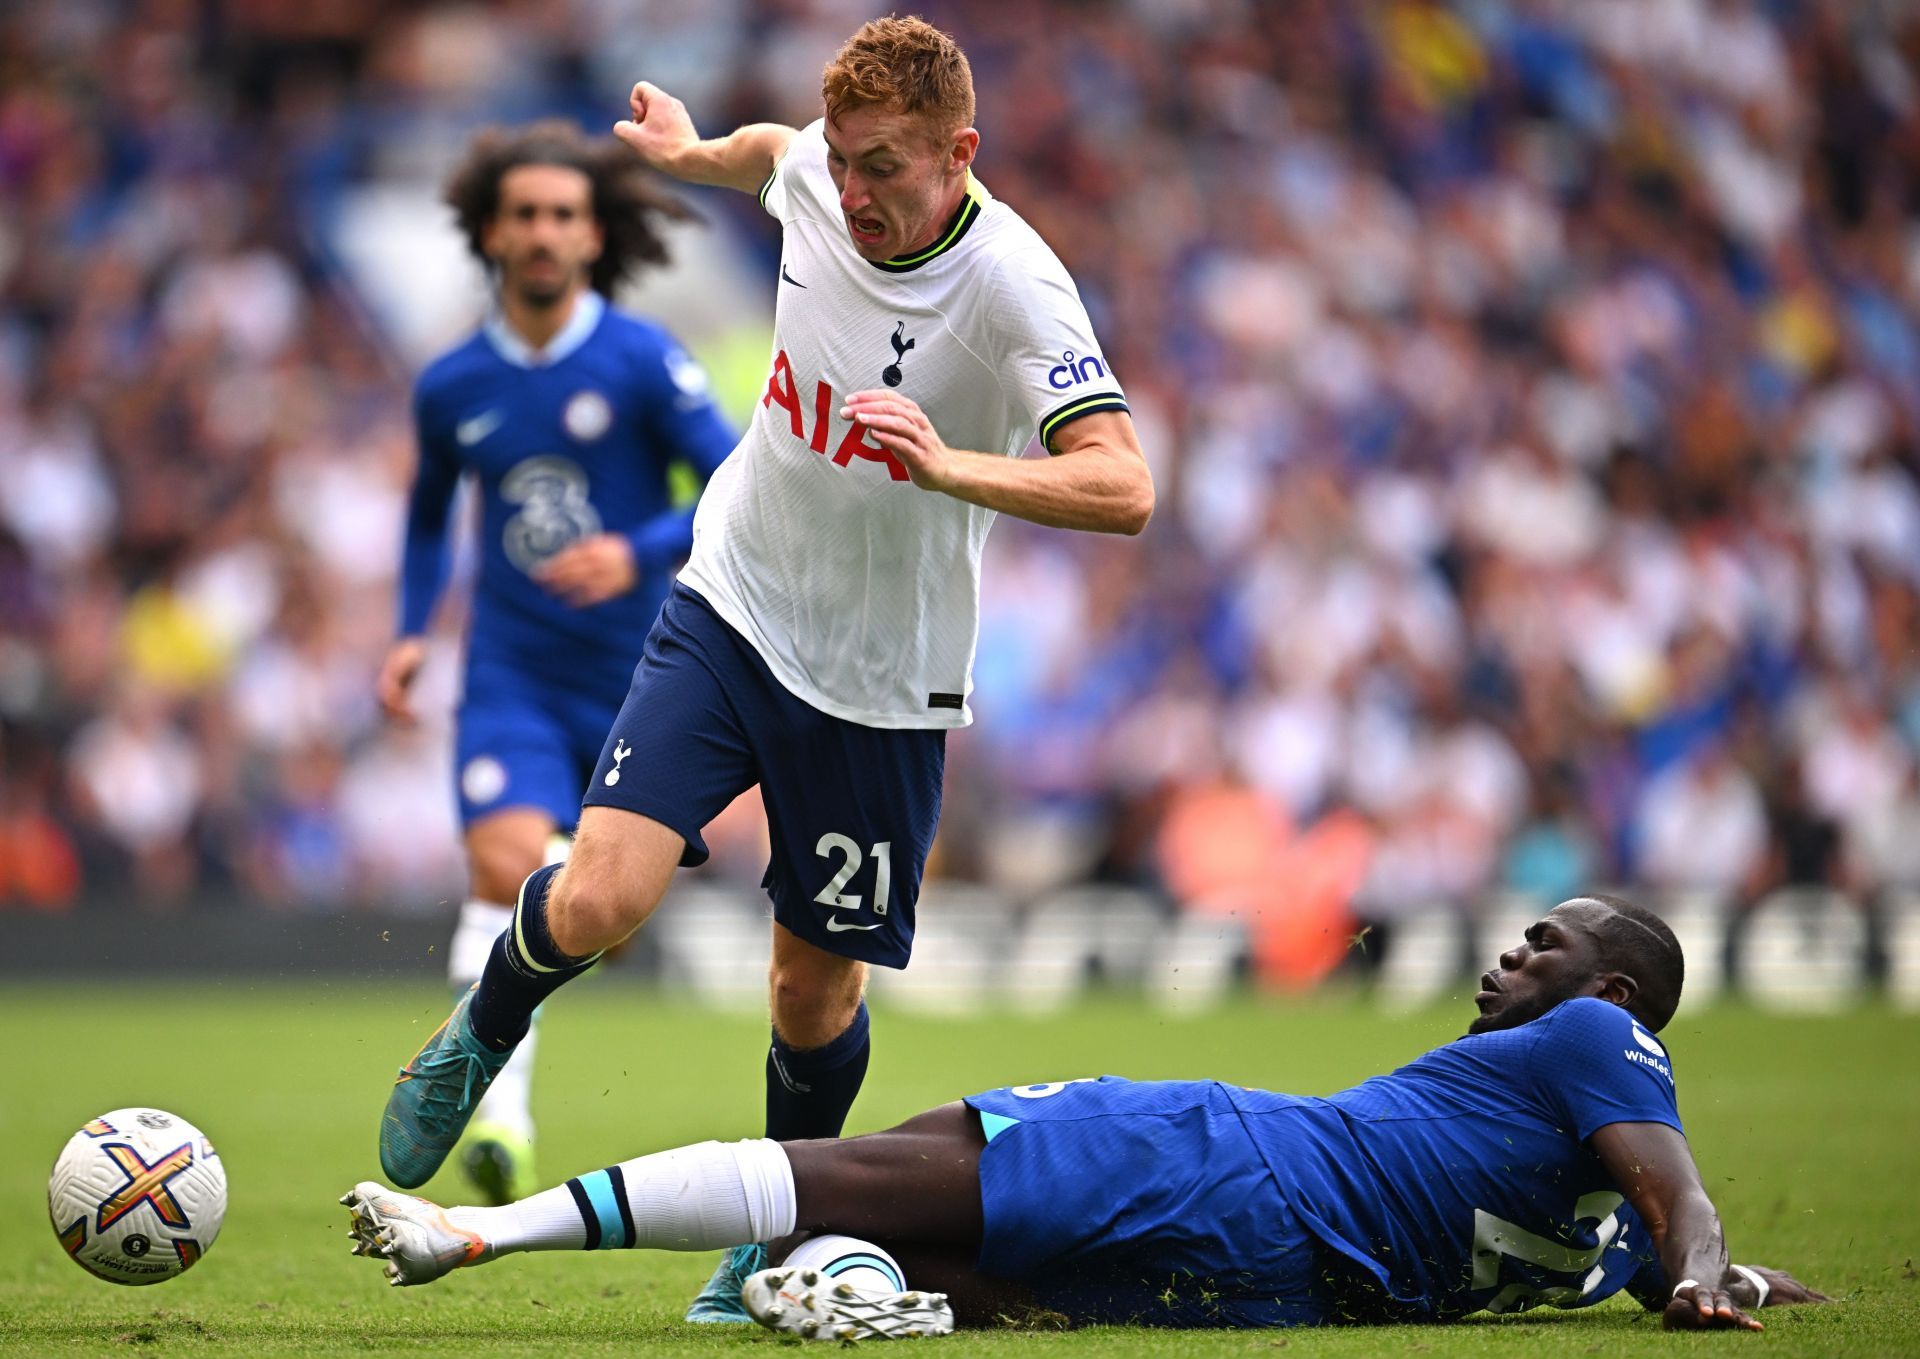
1653 1167
662 134
1098 482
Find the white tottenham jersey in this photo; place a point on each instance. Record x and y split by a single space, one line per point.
860 590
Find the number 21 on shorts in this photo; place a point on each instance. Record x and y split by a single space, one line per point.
835 896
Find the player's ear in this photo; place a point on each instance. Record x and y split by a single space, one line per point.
961 149
1617 988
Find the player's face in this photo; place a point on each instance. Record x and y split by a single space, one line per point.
1558 960
543 236
899 183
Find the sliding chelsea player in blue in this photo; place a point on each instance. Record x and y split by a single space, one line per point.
1537 1160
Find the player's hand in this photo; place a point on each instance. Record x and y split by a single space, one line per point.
403 661
591 571
660 128
1701 1308
899 425
1782 1288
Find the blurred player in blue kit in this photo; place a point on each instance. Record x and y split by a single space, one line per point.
819 643
1538 1159
568 416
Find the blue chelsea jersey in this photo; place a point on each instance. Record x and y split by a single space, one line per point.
563 444
1463 1180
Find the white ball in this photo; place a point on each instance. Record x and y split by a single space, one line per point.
137 1196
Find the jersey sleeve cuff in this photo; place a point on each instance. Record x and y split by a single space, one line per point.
1063 416
663 541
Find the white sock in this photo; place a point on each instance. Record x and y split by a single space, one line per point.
848 1259
548 1220
509 1101
480 923
703 1197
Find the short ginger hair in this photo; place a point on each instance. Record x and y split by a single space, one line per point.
904 65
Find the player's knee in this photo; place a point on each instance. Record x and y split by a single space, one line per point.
587 912
813 1006
610 885
498 871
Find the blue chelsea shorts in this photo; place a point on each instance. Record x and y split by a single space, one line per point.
1143 1203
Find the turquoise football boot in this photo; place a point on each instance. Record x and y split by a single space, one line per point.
720 1300
433 1097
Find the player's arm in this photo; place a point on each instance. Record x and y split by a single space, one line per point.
685 427
1653 1167
1098 480
423 569
662 134
692 434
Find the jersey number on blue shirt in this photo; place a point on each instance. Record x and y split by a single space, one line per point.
1495 1238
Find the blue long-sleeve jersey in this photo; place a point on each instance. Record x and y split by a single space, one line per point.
1464 1180
563 444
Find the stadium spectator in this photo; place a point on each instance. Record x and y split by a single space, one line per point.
1530 376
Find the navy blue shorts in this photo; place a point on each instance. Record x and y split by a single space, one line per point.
1145 1203
851 810
524 741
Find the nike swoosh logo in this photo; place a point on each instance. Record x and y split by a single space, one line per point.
835 925
470 432
798 284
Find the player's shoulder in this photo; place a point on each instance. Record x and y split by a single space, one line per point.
1589 1023
627 330
806 150
647 347
618 323
449 381
1006 244
1009 269
1589 1051
448 369
803 162
1590 1011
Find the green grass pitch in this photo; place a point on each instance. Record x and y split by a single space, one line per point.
1806 1129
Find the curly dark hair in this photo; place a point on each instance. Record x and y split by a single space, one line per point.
626 200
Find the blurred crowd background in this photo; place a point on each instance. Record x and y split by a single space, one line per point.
1532 388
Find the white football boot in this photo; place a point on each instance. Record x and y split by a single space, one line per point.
806 1303
413 1235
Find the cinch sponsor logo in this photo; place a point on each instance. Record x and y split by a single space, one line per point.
1071 372
1651 1063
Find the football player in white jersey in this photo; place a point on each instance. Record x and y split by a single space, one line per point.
820 641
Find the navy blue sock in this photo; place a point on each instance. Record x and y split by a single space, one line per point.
810 1091
524 969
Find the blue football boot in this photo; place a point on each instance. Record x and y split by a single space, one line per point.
720 1301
